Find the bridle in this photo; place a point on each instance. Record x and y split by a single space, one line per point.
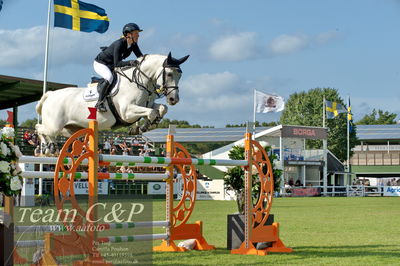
138 74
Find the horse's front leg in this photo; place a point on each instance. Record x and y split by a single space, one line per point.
162 110
135 113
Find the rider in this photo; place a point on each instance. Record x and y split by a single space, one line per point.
112 57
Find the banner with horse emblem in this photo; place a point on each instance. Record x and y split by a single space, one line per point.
266 103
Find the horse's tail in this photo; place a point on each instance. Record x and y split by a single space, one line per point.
40 103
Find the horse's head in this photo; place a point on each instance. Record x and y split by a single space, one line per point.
168 77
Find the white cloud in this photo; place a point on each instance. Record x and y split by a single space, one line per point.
21 47
213 99
210 84
326 37
25 48
287 44
237 47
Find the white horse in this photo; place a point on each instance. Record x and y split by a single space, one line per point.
65 111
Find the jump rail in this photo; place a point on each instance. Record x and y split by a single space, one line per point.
118 160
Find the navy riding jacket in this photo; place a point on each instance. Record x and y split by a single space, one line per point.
113 55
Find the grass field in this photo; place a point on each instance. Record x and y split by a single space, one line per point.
322 231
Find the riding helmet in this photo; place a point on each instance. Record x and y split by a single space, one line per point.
130 27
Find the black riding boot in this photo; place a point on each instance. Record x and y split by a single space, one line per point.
102 89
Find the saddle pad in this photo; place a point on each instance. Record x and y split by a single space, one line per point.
90 93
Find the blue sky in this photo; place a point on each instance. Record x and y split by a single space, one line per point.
279 47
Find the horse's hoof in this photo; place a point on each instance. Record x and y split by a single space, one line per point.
144 128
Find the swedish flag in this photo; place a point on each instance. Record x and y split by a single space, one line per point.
350 117
80 16
333 109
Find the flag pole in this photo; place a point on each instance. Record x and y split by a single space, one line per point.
348 135
46 59
254 113
46 54
323 112
325 150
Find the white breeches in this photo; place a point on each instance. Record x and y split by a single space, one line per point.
103 71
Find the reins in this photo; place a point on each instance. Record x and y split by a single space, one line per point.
137 78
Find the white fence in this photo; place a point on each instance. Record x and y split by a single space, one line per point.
345 191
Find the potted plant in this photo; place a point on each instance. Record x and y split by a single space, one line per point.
234 181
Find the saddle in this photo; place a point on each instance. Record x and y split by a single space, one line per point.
91 94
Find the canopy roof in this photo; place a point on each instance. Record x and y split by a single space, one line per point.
15 91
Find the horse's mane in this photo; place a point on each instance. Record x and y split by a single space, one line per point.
140 61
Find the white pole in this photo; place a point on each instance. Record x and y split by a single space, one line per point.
282 161
46 60
348 137
325 148
323 112
254 113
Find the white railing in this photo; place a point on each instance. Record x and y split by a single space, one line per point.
386 147
342 191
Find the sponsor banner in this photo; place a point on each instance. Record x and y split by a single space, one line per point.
210 190
206 190
306 192
391 191
82 188
158 188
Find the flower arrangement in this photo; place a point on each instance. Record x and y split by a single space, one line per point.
10 172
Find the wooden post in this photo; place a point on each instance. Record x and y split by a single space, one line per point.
248 186
169 187
93 166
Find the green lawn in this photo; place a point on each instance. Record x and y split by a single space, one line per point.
322 231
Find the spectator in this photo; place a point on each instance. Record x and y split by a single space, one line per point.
35 138
113 151
135 142
142 152
288 188
298 183
28 138
291 182
107 146
123 169
118 142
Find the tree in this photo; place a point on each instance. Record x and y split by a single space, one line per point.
31 123
263 124
306 109
164 123
3 123
384 118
